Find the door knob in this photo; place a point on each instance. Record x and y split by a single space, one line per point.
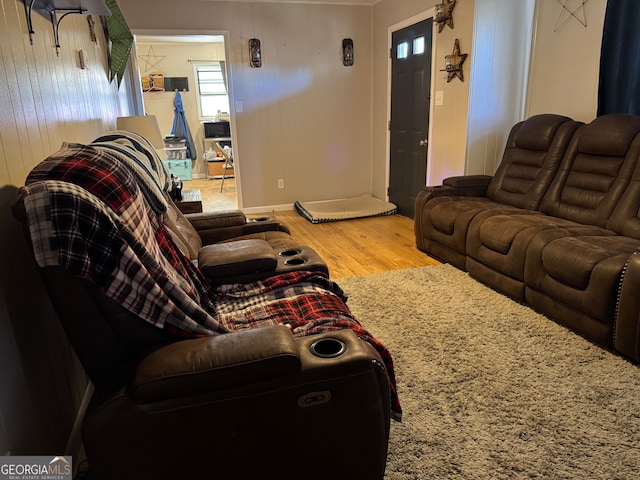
424 143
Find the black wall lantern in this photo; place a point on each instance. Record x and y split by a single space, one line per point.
347 52
255 53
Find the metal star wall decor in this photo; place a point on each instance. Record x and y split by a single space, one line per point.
453 63
572 11
150 59
444 14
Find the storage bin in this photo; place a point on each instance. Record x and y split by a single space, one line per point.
180 168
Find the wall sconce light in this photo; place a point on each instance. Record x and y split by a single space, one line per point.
255 53
444 14
347 52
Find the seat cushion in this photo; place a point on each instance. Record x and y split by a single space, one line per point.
574 277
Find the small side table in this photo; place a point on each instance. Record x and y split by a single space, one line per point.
191 202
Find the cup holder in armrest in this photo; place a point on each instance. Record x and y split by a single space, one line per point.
290 253
260 219
294 262
328 348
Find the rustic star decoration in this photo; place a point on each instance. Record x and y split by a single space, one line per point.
453 63
150 59
574 10
444 14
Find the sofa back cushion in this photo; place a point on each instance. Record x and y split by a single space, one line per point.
595 170
533 152
625 219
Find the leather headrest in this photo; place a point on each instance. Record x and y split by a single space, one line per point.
538 131
609 134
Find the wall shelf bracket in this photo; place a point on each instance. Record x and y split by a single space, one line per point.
57 10
55 23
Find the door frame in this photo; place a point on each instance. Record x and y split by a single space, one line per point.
230 83
429 13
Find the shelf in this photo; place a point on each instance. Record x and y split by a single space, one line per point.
56 10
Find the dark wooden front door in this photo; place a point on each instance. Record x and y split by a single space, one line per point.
410 98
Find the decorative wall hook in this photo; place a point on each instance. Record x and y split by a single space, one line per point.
347 52
453 63
444 14
255 53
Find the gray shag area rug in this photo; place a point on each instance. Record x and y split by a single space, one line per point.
492 390
362 206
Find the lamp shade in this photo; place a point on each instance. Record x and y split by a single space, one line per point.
145 125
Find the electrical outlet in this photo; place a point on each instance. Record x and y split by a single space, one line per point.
281 183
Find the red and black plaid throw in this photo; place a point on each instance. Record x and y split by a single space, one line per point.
87 214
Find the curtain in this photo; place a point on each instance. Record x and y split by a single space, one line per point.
619 88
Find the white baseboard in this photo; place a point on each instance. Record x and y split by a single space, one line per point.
268 208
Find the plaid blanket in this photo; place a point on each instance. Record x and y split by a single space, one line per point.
141 158
87 213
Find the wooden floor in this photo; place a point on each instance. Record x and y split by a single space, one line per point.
350 247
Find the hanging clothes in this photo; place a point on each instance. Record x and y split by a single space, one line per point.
181 128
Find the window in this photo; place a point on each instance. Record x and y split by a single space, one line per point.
403 50
212 90
418 46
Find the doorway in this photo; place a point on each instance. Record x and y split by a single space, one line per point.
411 58
182 59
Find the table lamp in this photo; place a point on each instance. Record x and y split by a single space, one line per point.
145 125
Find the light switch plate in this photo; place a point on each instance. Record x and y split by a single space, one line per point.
439 97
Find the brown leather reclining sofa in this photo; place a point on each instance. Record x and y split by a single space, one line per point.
557 227
268 402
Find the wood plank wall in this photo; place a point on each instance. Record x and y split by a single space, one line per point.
46 99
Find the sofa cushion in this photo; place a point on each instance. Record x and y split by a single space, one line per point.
574 276
595 172
533 152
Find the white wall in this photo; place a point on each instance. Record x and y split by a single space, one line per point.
503 34
306 118
320 126
565 63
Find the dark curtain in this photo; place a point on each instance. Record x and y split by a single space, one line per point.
619 88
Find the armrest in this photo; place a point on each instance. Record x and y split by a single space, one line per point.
236 258
214 363
626 332
209 220
468 181
210 234
466 185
